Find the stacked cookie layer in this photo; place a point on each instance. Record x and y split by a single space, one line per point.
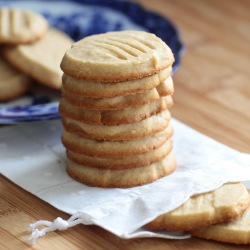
115 97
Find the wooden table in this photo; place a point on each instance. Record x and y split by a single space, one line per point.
212 95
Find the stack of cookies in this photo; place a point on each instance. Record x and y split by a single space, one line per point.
31 50
115 97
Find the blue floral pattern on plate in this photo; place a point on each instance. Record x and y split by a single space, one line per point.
80 18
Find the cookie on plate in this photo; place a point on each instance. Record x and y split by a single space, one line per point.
12 82
117 56
21 26
122 178
223 204
41 60
236 231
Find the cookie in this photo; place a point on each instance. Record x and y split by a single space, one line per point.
223 204
146 127
134 161
115 103
122 178
107 90
236 231
41 60
114 117
117 56
21 26
12 82
115 149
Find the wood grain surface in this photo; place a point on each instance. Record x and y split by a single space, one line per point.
212 95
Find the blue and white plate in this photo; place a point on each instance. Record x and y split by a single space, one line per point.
80 18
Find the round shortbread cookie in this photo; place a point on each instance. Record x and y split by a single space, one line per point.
115 149
114 117
146 127
107 90
220 205
41 60
21 26
117 56
133 161
12 82
119 102
236 231
122 178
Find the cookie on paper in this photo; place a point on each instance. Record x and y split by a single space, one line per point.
223 204
236 231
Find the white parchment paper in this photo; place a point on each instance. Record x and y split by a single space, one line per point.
32 156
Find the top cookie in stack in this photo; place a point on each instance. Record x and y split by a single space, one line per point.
115 97
117 56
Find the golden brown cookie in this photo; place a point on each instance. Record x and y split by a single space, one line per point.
122 178
12 82
115 149
119 102
114 117
117 56
236 231
223 204
21 26
41 60
133 161
146 127
106 90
